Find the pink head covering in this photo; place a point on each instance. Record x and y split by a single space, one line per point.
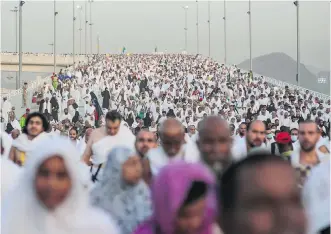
170 189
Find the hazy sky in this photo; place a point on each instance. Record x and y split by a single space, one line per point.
139 26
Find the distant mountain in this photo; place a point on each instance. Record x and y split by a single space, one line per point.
282 67
313 69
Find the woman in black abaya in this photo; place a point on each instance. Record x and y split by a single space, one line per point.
106 97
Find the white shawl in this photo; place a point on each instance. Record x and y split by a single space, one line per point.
23 213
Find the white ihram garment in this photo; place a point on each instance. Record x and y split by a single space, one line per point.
23 213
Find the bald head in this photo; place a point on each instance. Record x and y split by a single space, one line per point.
215 142
211 123
172 136
171 126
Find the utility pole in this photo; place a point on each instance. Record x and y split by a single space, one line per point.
197 27
208 28
54 39
80 8
15 11
296 3
73 33
224 18
86 22
186 8
250 35
18 82
91 24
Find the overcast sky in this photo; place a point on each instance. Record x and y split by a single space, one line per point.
140 26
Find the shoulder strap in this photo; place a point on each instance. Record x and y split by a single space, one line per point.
94 177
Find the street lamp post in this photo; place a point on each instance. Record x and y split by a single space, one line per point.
224 18
15 11
185 29
197 27
296 3
250 35
91 24
208 28
18 81
86 22
80 8
73 33
54 39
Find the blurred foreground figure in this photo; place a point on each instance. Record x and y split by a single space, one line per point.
215 143
183 197
316 198
50 196
259 195
173 147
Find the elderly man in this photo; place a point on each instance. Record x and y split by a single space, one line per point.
259 195
173 147
215 143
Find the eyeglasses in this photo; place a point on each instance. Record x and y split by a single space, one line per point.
149 140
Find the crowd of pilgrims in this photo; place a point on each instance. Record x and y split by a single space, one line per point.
165 144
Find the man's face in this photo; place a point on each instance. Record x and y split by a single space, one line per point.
215 144
144 142
113 127
269 204
66 111
172 143
242 129
308 136
256 134
35 126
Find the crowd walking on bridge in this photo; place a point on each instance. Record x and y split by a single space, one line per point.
165 144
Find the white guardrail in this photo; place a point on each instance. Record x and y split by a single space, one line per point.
301 89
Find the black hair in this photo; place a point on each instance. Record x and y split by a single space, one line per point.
228 182
197 190
113 116
32 115
293 129
75 129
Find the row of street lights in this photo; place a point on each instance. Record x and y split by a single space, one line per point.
21 3
18 15
296 3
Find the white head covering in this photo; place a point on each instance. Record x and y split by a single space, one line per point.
23 213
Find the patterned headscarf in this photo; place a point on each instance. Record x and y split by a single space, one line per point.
129 205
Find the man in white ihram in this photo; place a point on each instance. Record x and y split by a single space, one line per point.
103 140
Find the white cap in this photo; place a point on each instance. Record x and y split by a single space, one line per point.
316 198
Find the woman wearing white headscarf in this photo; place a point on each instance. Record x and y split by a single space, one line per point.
50 196
122 192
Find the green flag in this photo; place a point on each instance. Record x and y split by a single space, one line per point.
123 50
155 50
